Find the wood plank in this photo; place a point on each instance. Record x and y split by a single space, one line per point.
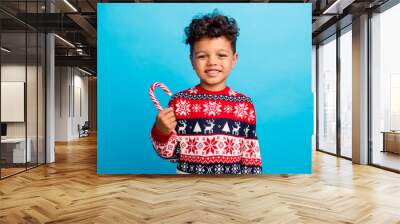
70 191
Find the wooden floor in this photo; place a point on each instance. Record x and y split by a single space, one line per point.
387 159
70 191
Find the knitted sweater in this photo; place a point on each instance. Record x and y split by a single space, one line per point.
216 133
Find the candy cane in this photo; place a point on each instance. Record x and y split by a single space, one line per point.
153 97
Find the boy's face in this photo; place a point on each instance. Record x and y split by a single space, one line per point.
213 60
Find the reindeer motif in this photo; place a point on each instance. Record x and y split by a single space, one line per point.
246 130
182 129
235 130
209 127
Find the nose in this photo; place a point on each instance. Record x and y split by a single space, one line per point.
212 60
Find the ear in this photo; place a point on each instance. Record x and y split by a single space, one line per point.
234 59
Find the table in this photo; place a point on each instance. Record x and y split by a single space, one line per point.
391 141
17 150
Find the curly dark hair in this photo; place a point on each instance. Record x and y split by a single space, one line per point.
212 25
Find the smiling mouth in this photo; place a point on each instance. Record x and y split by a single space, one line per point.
213 72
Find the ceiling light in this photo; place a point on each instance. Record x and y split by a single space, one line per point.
5 50
337 7
86 72
64 40
71 6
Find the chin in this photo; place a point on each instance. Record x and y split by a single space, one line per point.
215 79
211 81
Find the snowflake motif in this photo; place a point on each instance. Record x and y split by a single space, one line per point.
196 108
210 145
241 110
246 170
192 145
227 169
191 168
193 91
257 170
228 109
232 93
209 169
251 152
200 169
251 148
212 108
184 166
235 168
229 146
219 169
251 116
182 107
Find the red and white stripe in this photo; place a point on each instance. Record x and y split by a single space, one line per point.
153 97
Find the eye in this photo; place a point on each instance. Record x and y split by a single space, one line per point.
222 55
201 56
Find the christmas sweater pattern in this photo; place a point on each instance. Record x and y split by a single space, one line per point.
215 134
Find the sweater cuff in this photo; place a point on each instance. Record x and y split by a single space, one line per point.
158 136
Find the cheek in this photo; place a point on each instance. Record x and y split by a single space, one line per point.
228 65
199 66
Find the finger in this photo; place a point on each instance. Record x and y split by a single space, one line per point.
172 125
166 116
163 112
170 116
169 110
171 120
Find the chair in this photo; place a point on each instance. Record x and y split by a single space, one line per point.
84 130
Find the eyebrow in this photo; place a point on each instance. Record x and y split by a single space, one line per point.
198 52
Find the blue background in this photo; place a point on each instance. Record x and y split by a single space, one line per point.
139 44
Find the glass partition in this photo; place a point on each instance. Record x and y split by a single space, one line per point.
385 89
346 92
22 89
14 153
327 95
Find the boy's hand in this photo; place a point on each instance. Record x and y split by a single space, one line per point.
166 121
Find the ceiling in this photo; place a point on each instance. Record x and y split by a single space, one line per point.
76 22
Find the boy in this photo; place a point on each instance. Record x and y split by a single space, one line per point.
210 129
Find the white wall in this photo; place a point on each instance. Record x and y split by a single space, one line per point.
71 94
12 73
61 103
33 127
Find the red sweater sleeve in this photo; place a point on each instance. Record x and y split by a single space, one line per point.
251 157
158 136
166 146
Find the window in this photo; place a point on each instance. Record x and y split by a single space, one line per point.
346 92
385 88
327 95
